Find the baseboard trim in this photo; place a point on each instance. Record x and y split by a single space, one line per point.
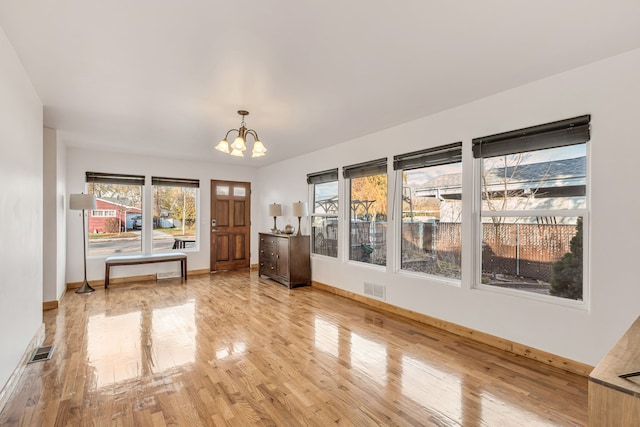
12 383
112 281
49 305
491 340
198 272
126 279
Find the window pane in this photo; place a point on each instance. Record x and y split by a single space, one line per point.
239 191
542 255
325 235
325 224
103 213
118 226
174 217
222 190
325 197
368 225
431 220
546 179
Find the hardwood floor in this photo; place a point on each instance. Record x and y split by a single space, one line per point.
235 349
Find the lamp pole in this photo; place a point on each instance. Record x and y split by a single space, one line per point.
85 288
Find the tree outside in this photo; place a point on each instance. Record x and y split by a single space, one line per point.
174 210
369 219
567 272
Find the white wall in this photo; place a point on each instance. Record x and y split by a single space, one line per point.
20 211
608 90
80 161
55 225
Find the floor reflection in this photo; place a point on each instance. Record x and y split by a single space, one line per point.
440 386
369 357
498 412
432 388
326 336
235 349
174 336
114 348
127 346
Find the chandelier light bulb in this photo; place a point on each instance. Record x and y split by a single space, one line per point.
239 144
258 149
223 146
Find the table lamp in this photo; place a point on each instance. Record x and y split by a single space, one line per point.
300 210
275 210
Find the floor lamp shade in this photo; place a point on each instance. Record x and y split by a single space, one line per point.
80 202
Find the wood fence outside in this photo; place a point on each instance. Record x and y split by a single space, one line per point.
526 250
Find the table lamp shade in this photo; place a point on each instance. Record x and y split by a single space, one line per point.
78 202
275 209
300 209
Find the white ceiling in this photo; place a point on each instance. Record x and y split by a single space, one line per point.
167 77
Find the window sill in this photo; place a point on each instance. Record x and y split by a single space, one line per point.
548 299
433 278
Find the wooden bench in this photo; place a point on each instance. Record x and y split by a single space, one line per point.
119 260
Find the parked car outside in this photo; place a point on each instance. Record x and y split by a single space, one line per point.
136 222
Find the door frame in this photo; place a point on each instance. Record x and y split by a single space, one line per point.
231 263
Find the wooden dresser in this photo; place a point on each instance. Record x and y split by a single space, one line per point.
615 401
285 258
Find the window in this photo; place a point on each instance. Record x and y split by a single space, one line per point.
117 227
103 213
368 211
431 210
533 213
324 217
174 213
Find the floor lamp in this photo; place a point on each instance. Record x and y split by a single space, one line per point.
81 202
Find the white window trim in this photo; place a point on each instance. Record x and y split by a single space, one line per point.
142 238
397 237
346 217
477 285
196 247
311 188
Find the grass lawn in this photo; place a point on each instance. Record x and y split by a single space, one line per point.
177 231
111 235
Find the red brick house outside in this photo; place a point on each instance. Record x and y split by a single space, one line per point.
106 209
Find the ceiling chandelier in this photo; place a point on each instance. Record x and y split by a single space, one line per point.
239 145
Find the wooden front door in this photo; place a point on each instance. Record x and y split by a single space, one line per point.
230 225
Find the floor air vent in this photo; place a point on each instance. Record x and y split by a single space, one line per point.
41 354
374 290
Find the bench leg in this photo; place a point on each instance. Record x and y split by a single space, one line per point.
106 276
183 268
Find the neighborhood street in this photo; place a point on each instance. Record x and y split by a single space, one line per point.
161 242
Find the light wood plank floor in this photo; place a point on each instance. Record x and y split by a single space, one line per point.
235 349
